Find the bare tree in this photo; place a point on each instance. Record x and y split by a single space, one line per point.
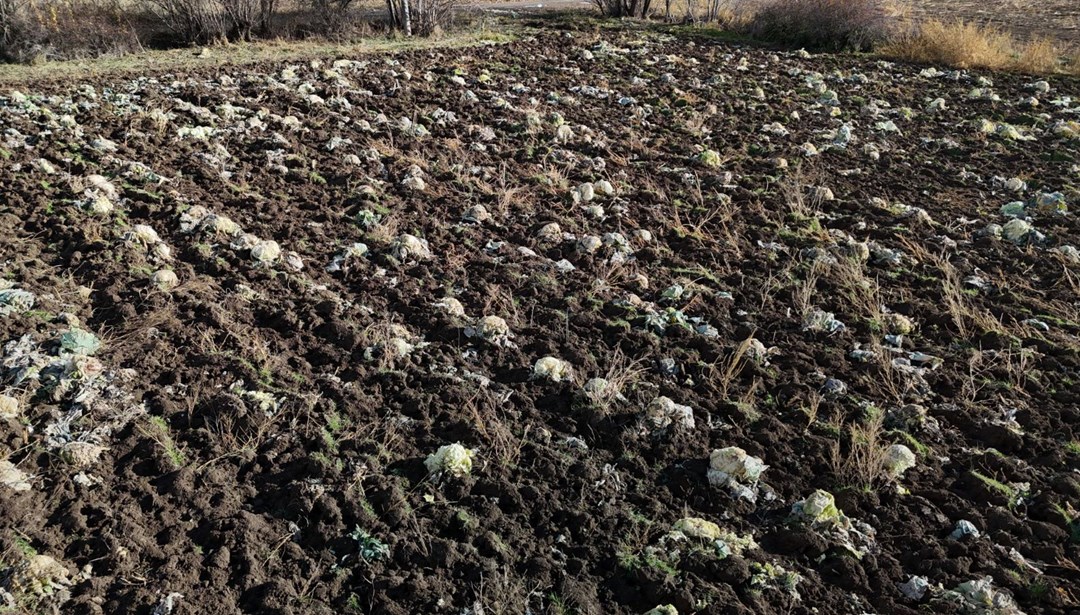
420 17
11 14
205 21
623 8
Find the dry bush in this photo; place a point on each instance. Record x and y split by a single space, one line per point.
36 30
494 427
800 200
622 376
384 231
723 373
968 318
1038 56
327 17
825 24
500 301
967 45
958 43
861 292
207 21
802 293
864 464
191 21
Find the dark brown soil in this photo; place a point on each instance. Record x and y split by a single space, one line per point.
253 510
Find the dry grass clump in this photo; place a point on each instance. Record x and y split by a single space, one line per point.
959 44
1040 55
962 44
865 461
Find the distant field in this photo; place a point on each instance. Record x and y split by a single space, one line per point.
1030 18
1058 19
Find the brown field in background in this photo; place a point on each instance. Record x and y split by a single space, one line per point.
1058 19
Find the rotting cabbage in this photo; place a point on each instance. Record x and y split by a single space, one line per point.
477 214
292 260
727 543
221 225
915 588
16 300
663 413
583 193
414 183
81 454
79 342
774 576
981 597
734 464
553 369
898 459
898 324
601 392
550 232
98 204
451 459
696 527
9 407
709 158
963 529
1051 203
266 251
40 575
492 329
820 513
408 246
164 279
12 477
819 508
589 244
351 253
733 468
820 320
144 234
451 307
1018 231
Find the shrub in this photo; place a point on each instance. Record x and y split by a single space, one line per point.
67 29
824 24
191 21
958 43
329 16
206 21
1040 55
966 45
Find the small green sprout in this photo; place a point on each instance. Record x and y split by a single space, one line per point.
371 549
